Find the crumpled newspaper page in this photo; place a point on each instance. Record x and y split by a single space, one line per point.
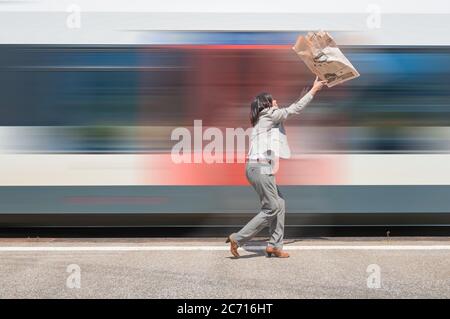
322 56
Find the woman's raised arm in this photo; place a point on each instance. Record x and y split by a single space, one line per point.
281 114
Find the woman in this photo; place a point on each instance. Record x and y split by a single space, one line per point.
267 143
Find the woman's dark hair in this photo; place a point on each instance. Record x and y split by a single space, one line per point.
261 101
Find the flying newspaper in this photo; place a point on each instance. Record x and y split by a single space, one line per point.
322 56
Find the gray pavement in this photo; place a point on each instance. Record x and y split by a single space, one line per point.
203 268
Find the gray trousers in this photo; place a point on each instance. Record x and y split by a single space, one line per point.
272 210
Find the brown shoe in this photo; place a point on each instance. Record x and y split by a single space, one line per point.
276 252
233 247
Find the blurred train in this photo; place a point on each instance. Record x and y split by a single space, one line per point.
86 134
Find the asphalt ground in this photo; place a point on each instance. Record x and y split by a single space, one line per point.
415 267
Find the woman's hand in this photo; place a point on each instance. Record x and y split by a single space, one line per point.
317 86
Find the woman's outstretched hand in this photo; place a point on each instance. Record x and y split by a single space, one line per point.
317 86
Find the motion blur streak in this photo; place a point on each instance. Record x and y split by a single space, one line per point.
99 119
129 99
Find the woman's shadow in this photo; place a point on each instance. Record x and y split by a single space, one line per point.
258 247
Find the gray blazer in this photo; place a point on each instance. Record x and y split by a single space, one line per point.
268 136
